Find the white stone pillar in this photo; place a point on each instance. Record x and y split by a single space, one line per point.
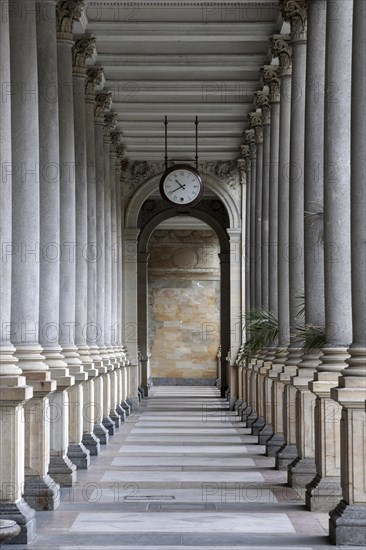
347 524
313 223
77 452
13 389
255 119
130 293
250 140
270 78
325 488
90 440
39 488
281 48
61 468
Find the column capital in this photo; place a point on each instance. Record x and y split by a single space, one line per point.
83 48
280 47
116 139
103 103
110 121
256 121
262 102
67 11
250 141
295 13
270 77
94 78
244 160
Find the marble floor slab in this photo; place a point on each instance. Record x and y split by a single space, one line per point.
166 476
185 461
179 450
181 523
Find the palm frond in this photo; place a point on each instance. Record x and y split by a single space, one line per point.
261 328
312 337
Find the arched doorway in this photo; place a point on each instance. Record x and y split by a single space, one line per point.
142 278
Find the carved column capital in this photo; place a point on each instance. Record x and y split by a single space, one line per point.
270 78
116 139
280 47
94 78
67 11
262 102
82 49
244 161
110 121
250 141
256 121
295 13
103 103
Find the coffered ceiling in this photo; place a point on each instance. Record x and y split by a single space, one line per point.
182 59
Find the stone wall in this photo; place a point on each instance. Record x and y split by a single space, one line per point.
184 300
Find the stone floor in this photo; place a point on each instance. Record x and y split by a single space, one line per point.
182 471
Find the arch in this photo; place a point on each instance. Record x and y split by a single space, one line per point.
152 185
142 282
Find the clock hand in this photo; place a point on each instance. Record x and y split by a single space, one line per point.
183 186
180 187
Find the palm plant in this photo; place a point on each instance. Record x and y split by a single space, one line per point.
261 328
310 337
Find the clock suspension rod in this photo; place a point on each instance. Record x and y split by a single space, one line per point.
166 142
196 123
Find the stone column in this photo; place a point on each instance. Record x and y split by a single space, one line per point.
348 520
250 140
103 102
90 440
255 119
13 389
270 78
302 470
61 468
281 48
130 292
325 491
313 244
110 120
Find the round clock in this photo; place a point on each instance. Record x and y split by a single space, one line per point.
181 185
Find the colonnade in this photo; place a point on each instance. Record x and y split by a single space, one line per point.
306 260
65 378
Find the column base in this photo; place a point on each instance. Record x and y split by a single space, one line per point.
274 444
92 443
109 424
301 472
62 470
237 404
101 433
258 425
113 414
347 525
285 455
133 405
121 412
125 406
8 529
79 455
265 433
242 408
41 493
323 494
251 419
24 515
246 412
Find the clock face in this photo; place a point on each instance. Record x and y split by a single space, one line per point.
181 185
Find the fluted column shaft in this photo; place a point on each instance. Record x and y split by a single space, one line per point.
347 521
324 489
13 390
